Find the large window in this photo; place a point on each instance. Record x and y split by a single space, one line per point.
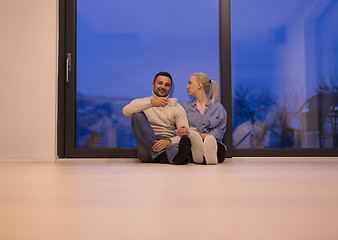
122 44
276 63
284 73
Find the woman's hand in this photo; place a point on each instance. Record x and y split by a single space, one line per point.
182 131
203 135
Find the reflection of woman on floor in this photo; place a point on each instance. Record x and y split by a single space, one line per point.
207 121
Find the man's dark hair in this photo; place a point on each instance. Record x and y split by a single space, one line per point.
166 74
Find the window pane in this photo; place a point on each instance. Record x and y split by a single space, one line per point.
122 44
284 73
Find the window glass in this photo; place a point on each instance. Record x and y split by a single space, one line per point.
284 73
121 45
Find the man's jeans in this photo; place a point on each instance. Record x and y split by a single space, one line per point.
145 138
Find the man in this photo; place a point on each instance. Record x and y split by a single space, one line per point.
153 123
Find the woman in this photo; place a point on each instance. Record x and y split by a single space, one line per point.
207 119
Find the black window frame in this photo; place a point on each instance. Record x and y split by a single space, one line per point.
67 96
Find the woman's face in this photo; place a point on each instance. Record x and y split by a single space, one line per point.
193 86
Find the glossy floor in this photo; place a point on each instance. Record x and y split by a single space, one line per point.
242 199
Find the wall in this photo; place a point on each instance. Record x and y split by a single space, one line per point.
28 75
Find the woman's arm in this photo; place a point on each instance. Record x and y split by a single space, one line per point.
218 122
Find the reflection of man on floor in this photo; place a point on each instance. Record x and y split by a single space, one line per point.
154 122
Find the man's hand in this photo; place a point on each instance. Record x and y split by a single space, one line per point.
159 102
182 131
161 144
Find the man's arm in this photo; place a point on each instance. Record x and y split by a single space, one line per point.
137 105
181 120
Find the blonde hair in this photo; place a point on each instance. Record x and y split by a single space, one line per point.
203 78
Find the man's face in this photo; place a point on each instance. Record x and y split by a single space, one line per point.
162 86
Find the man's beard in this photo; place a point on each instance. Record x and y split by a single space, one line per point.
157 93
